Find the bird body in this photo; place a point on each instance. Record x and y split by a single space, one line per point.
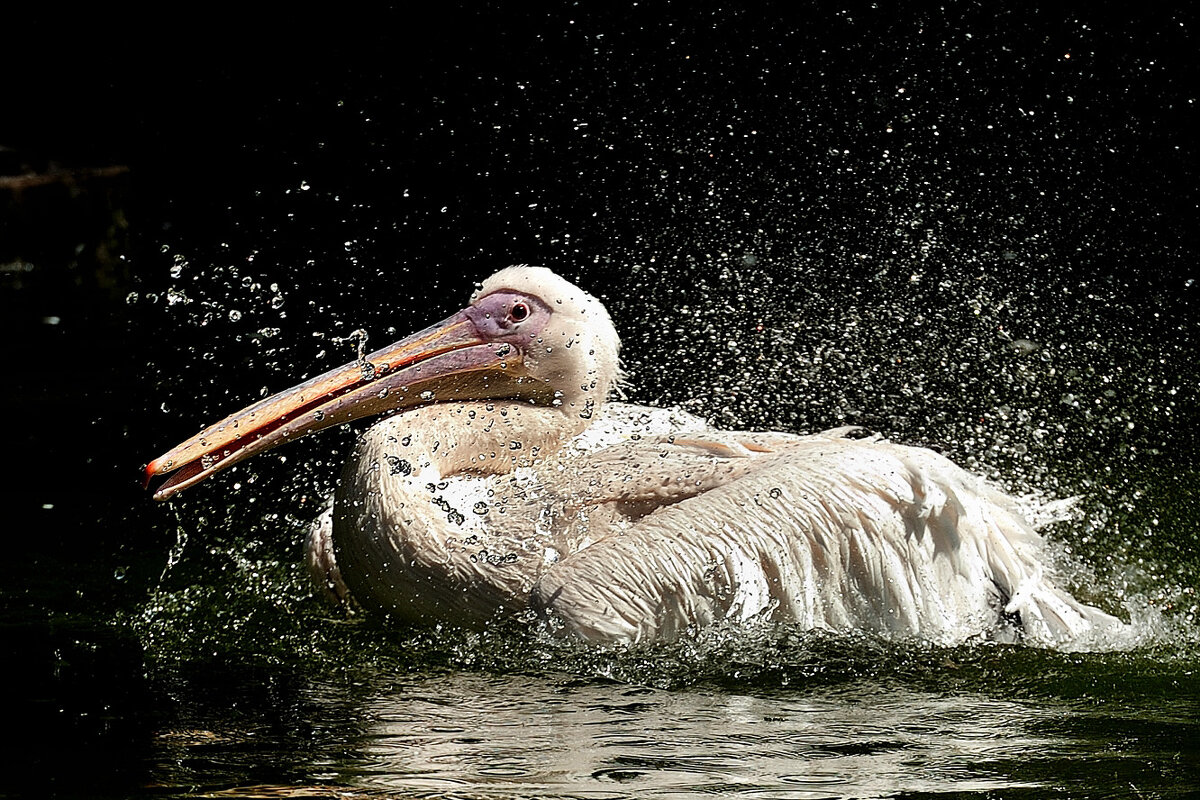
513 487
636 539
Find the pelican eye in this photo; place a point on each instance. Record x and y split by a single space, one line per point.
519 312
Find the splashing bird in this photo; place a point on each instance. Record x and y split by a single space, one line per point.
502 481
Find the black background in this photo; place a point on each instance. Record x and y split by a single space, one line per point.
1053 154
445 143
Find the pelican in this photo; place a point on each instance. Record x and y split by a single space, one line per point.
502 482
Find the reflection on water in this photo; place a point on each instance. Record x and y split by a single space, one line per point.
471 734
526 735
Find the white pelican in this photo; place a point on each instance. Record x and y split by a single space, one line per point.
502 482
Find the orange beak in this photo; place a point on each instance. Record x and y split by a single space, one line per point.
450 360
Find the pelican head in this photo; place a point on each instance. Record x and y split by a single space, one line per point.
567 341
528 335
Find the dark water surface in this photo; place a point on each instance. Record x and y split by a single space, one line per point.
966 228
554 735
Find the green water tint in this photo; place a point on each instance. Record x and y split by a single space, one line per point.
264 691
238 602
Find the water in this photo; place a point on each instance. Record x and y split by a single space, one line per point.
766 713
259 690
270 693
485 735
968 229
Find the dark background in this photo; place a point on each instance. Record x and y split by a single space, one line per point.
297 176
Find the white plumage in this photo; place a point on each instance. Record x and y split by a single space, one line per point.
518 489
633 540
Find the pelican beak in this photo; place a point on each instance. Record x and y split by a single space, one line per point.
450 360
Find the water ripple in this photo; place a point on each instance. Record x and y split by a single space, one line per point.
863 743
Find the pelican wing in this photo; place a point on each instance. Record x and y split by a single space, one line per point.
823 531
646 474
